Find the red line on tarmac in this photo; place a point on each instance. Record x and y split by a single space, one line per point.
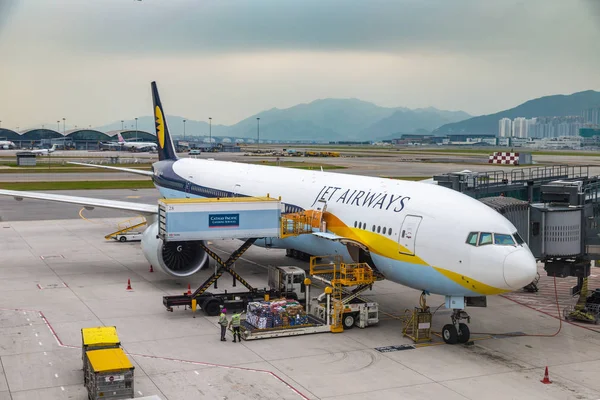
61 344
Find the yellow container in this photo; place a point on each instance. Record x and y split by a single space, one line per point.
96 338
108 360
110 375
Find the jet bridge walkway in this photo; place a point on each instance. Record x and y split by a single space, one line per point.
245 218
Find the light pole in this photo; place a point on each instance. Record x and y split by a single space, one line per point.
210 132
0 124
184 129
136 129
258 133
122 124
58 126
64 126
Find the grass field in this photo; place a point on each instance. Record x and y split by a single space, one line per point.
65 168
76 185
408 178
298 165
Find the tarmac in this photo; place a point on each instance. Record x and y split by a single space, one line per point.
59 274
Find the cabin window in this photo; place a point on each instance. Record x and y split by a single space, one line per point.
390 231
485 238
518 238
472 238
373 228
379 229
384 230
503 240
355 224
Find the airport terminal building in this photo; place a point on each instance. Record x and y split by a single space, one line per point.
78 139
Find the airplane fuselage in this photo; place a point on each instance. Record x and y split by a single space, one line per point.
416 233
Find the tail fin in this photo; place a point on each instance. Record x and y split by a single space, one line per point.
120 137
166 149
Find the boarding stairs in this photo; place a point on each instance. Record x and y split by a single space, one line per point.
126 226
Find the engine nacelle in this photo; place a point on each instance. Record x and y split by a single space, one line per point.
178 259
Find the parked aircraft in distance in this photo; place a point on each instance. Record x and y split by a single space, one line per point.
44 152
6 144
140 146
420 235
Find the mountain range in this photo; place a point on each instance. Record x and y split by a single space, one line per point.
547 106
324 119
357 120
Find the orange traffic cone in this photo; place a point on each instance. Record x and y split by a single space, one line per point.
546 379
189 292
129 284
151 269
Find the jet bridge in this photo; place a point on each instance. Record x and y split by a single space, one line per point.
556 210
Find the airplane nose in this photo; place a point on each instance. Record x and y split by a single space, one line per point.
520 268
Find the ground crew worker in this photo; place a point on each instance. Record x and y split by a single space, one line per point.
223 323
235 324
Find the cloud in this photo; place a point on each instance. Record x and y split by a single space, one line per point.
193 27
6 7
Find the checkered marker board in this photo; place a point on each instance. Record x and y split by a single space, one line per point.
504 158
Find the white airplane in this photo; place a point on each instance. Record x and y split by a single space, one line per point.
6 144
136 145
419 235
44 152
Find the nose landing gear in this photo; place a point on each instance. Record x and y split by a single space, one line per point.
457 332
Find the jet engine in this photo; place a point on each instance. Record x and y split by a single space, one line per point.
178 259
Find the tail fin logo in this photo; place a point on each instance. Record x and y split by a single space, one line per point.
160 126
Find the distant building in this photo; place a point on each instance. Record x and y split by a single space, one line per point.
519 127
592 116
505 127
553 127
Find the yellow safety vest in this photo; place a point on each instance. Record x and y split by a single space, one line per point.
223 319
235 320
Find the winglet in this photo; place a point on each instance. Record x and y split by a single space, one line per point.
166 149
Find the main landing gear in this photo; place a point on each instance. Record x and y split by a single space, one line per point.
457 332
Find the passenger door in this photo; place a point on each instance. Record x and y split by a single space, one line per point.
408 234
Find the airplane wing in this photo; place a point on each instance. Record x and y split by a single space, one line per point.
87 202
131 170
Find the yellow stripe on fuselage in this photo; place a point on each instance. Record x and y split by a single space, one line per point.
470 283
389 248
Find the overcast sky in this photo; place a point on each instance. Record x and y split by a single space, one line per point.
92 61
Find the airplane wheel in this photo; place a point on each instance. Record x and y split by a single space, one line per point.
122 239
348 321
465 333
450 334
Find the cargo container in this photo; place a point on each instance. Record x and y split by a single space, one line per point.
97 338
219 218
110 375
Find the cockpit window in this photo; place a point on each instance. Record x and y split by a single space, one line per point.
504 240
485 238
472 238
518 238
